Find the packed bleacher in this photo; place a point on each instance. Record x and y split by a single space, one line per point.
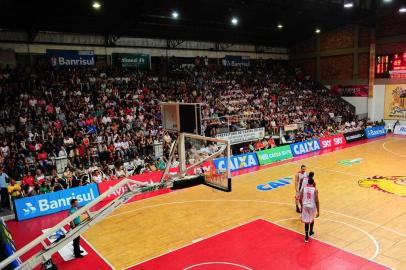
105 123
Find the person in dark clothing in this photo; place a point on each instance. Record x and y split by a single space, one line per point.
76 242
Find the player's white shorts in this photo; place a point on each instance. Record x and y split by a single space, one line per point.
308 214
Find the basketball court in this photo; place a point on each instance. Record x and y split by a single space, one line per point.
362 222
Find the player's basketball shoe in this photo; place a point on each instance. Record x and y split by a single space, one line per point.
306 239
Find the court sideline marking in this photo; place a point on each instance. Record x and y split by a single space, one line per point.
226 263
373 239
276 222
390 151
98 253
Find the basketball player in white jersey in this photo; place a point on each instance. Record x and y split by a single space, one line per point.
309 201
300 181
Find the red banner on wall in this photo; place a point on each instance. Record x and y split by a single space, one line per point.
350 90
332 141
146 177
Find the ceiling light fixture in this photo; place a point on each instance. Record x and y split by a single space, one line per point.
175 14
280 26
348 4
318 31
234 21
402 9
96 5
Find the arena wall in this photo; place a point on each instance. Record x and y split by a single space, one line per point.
21 43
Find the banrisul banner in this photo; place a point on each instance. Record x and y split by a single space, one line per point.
241 136
374 132
354 135
237 162
70 58
305 147
54 202
400 130
132 60
275 154
235 61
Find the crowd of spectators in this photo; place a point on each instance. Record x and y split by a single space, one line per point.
103 122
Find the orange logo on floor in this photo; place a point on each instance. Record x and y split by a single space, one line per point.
390 184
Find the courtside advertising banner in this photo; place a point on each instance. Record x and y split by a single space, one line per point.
145 177
106 186
274 154
237 162
353 136
241 136
71 58
374 132
332 141
400 130
305 147
54 202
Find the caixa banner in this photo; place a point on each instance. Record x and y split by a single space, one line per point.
54 202
374 132
332 141
305 147
237 162
71 58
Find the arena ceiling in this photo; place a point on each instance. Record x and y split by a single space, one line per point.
198 19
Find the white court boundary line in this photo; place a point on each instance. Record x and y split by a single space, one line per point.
227 263
374 241
390 151
280 220
192 243
98 253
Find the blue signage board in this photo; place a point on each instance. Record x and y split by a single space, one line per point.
305 147
71 58
235 61
374 132
49 203
237 162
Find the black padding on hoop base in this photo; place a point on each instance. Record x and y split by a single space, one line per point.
189 182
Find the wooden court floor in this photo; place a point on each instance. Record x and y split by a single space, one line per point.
364 220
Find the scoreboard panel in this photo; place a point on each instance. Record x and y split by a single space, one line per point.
391 66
